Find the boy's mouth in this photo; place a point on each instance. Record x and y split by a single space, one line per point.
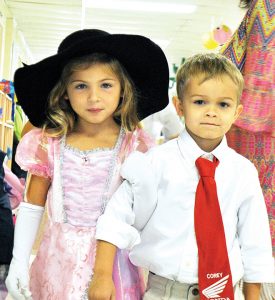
210 124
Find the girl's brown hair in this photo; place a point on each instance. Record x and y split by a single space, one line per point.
61 118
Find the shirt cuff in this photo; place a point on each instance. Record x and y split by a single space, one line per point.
254 274
118 233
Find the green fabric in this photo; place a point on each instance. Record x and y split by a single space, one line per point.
18 121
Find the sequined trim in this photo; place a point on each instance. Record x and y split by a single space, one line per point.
85 295
111 167
62 146
84 152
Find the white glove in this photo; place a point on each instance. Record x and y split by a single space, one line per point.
27 224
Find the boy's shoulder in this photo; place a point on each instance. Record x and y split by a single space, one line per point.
240 162
166 148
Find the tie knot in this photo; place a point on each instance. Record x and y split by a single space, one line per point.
206 167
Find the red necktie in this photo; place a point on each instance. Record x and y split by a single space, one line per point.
215 279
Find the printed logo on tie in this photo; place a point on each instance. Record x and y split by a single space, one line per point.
214 290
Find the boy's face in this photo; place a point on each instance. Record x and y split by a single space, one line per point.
209 108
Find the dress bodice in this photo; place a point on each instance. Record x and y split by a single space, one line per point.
84 186
85 181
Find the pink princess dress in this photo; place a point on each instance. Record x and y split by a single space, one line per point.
82 183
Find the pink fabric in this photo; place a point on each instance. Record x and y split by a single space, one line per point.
259 148
34 154
17 187
137 140
65 259
252 50
82 191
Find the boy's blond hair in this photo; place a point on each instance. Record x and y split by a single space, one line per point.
210 65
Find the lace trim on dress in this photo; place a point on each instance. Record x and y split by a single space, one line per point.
86 152
113 160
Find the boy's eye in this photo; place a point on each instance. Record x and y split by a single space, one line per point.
224 104
106 85
199 102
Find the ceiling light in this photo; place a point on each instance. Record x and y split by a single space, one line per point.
162 43
143 6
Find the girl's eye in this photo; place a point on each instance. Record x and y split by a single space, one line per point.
80 86
106 85
224 104
199 102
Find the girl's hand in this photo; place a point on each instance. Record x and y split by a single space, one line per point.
101 288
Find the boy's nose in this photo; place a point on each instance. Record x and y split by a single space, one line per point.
211 113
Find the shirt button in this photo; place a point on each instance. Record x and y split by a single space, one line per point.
195 292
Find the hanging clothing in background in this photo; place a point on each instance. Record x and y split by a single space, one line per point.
6 229
252 49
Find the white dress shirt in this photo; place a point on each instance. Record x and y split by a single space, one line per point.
152 212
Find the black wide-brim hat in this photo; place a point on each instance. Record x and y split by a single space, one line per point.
143 59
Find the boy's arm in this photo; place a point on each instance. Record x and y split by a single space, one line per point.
102 286
252 291
128 210
254 232
131 206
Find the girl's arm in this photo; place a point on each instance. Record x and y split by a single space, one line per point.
37 190
102 286
252 291
27 223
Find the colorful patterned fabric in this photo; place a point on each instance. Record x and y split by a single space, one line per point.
260 149
252 49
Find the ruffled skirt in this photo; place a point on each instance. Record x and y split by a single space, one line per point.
63 266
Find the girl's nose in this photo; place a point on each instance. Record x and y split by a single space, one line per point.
93 95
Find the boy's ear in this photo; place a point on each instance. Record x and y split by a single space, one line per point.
238 111
178 105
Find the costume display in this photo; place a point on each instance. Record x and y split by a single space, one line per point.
62 268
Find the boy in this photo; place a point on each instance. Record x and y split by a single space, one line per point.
156 211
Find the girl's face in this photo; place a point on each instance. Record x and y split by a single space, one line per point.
94 94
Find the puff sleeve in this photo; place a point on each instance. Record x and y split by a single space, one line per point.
34 154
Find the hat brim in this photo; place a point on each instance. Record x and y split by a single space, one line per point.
144 61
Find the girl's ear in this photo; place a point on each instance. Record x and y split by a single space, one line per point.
66 97
178 105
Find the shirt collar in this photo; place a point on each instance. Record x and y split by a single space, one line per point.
190 149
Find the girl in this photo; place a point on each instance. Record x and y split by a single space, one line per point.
95 91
